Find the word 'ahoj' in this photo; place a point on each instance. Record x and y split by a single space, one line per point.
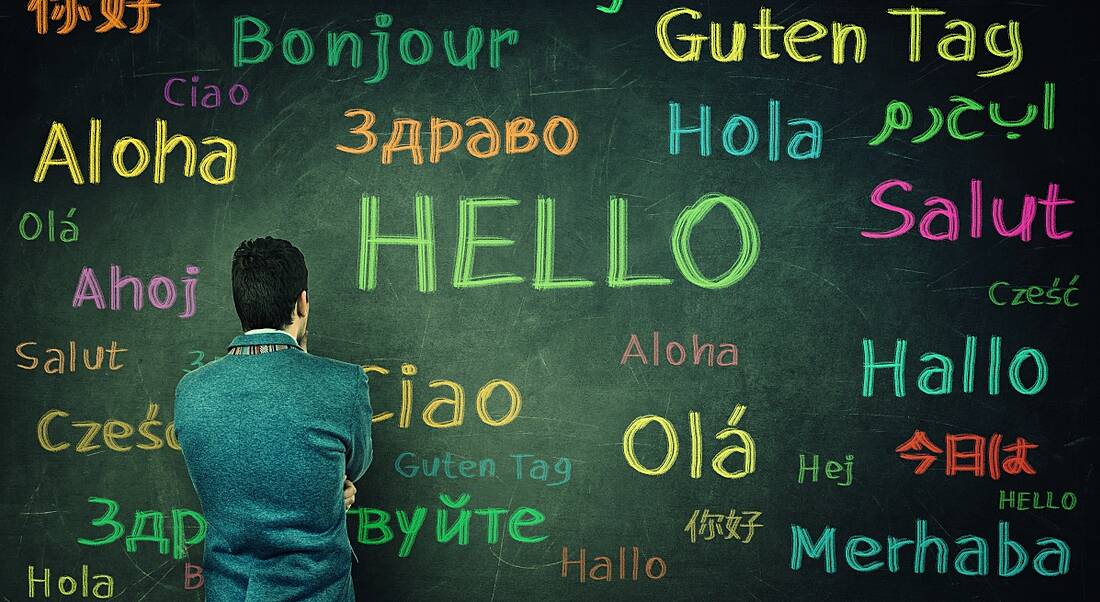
59 143
957 46
618 275
161 290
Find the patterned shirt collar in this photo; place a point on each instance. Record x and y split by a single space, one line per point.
263 341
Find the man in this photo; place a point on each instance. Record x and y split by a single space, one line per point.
271 436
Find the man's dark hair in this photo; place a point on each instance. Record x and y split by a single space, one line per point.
268 275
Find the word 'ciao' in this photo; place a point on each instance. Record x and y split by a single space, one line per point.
618 274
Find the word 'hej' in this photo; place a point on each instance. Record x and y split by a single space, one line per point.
834 469
415 46
161 290
958 46
947 212
972 460
618 274
58 141
899 117
70 13
862 553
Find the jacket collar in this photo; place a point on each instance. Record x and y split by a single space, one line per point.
264 338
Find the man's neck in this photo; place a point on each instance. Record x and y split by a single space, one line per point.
268 330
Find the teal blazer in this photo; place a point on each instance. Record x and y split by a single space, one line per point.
267 439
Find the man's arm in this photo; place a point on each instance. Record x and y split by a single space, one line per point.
362 451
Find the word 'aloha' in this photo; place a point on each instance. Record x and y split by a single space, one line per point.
58 140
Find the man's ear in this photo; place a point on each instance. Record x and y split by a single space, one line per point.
302 305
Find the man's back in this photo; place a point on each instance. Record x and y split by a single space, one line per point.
268 438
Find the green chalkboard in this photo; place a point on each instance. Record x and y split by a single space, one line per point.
632 281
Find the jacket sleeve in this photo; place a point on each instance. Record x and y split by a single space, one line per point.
362 451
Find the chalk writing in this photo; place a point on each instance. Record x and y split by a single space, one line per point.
445 136
161 290
527 467
114 433
942 368
237 94
1034 294
971 459
415 46
747 449
102 585
456 403
603 566
70 13
810 137
612 9
946 210
618 274
1034 500
58 138
148 519
971 560
792 38
900 117
55 363
707 525
834 469
676 354
30 227
847 39
199 360
192 576
375 519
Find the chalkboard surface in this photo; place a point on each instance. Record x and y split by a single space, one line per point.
658 301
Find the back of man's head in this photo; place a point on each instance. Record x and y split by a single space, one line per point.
268 275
